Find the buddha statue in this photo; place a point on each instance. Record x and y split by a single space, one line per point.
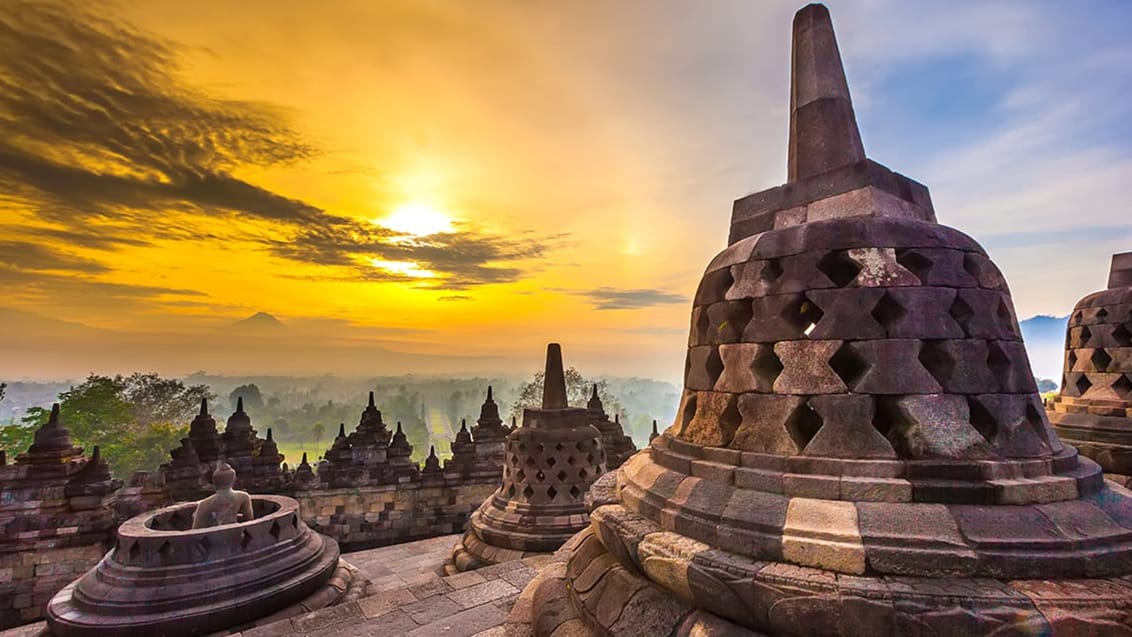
226 506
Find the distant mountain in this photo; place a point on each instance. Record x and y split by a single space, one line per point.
1043 327
1045 344
260 322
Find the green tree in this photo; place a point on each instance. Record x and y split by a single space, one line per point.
578 391
135 419
253 400
319 430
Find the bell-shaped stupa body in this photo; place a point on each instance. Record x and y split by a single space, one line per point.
1093 411
549 464
860 447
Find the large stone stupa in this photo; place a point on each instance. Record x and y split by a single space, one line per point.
860 448
1093 412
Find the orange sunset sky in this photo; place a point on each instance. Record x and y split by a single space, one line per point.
445 186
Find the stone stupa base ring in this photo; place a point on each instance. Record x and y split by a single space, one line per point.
1051 525
164 578
624 558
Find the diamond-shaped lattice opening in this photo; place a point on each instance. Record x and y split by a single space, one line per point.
839 268
166 549
1037 421
997 360
589 458
1100 359
575 492
1005 315
530 461
914 262
511 492
1123 386
766 365
583 474
134 551
571 460
848 365
771 271
1101 314
703 326
714 365
551 491
514 459
541 448
1083 384
559 447
689 410
803 425
1086 335
1122 337
1076 318
562 475
520 475
528 492
802 313
1071 359
888 311
275 530
972 265
245 539
937 361
294 521
714 287
550 462
886 415
961 312
540 476
982 420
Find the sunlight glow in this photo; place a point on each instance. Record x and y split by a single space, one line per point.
407 268
417 219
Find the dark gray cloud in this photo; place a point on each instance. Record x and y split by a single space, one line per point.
461 259
96 121
607 298
98 129
69 290
36 256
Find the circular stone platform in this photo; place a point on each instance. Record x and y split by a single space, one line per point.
163 577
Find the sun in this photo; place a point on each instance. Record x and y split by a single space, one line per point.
417 219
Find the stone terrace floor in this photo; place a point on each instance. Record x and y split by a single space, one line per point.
411 597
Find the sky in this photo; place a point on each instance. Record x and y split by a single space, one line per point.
446 186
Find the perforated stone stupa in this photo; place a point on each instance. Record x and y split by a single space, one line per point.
860 448
618 446
1093 411
549 464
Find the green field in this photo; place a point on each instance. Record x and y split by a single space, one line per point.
293 451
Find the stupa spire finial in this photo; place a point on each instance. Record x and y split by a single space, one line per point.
554 379
823 128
